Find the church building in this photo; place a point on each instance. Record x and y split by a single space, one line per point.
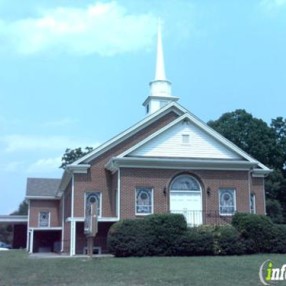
169 162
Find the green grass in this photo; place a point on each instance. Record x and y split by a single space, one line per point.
17 268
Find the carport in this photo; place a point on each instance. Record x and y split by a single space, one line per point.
45 240
19 225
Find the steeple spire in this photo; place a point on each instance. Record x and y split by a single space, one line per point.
160 87
160 67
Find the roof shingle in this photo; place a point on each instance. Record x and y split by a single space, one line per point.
42 187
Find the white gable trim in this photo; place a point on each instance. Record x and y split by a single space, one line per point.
187 164
173 106
228 144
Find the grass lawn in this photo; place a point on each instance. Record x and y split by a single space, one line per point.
17 268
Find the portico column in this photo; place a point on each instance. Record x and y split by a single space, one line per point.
31 235
72 238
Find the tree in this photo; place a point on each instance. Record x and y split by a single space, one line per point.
22 209
252 135
265 143
72 155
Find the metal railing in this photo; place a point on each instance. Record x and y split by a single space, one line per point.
195 218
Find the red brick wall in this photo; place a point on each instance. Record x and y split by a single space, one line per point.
258 190
36 206
214 180
98 179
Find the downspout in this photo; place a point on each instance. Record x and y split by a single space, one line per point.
28 228
264 196
63 221
72 196
118 193
249 188
72 238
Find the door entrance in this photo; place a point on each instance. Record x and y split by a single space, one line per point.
186 199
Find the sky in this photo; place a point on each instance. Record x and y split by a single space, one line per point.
75 73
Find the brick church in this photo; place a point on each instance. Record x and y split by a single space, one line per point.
170 161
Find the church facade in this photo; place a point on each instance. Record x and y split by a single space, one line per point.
170 161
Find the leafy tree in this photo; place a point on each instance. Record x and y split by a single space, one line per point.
252 135
22 209
274 210
72 155
265 143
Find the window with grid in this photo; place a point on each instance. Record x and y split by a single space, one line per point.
144 201
227 201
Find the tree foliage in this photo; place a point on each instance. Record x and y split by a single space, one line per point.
72 155
22 209
252 135
266 143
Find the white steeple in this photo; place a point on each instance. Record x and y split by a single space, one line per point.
160 87
160 67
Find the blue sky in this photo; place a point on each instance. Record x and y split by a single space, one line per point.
75 73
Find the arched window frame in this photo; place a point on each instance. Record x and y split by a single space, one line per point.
195 184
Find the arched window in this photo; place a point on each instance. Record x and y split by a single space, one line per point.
185 183
93 197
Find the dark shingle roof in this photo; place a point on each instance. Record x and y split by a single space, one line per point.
42 187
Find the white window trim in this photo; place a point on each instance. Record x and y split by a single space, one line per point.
152 201
39 218
234 201
100 202
252 211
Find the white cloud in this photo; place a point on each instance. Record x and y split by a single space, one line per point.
271 5
102 28
46 165
19 143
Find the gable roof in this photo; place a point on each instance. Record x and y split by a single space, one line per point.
42 188
81 165
173 106
228 145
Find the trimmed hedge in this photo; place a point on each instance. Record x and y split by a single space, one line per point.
258 230
150 236
195 241
228 241
167 235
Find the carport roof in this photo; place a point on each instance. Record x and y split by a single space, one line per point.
42 187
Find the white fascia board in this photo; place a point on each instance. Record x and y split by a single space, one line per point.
200 124
130 131
78 169
100 219
155 134
173 98
45 228
13 218
67 175
173 163
258 173
42 198
224 141
64 181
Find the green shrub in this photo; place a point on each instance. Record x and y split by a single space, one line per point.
126 238
278 242
257 230
152 235
195 241
227 241
163 230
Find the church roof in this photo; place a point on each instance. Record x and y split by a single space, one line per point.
42 187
